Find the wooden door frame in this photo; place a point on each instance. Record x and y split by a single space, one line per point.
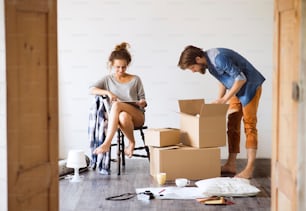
302 117
21 181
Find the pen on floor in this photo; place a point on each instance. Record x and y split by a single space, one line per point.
161 191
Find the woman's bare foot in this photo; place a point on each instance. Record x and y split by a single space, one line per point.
247 173
129 150
102 148
228 169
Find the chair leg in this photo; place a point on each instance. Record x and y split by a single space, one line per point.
148 152
118 152
144 143
122 149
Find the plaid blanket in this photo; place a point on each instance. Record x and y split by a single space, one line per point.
98 119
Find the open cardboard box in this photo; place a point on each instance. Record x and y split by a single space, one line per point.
187 162
202 125
160 137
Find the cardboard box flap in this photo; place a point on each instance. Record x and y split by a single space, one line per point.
160 129
168 148
213 110
192 106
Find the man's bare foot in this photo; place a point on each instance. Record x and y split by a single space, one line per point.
102 149
228 169
129 150
247 173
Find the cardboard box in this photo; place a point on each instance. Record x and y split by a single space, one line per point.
160 137
187 162
202 125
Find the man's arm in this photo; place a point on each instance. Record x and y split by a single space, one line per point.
222 90
231 92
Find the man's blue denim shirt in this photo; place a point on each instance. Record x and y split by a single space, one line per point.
226 65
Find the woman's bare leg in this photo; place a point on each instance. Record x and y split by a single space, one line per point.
113 123
127 122
127 127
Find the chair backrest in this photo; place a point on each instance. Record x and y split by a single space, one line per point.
106 103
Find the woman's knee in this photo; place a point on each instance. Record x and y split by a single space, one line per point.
116 107
125 118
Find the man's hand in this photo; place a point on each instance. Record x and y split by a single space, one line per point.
219 101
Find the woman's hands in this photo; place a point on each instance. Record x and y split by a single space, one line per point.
102 92
112 97
142 103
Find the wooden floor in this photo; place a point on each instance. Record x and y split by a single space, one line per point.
91 193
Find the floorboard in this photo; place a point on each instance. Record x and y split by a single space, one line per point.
90 194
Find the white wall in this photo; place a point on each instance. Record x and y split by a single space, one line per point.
157 31
3 158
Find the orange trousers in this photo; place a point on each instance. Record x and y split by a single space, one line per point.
249 115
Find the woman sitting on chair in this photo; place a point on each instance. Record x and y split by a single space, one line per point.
126 96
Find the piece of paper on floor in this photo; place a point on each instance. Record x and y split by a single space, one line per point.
173 192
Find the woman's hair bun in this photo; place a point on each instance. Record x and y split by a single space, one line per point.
122 46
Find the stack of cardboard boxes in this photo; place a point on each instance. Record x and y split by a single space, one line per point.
193 150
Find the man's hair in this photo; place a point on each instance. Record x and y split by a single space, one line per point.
188 56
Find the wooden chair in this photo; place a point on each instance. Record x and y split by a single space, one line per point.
121 146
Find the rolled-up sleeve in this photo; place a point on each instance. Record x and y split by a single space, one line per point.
101 84
140 89
241 77
225 65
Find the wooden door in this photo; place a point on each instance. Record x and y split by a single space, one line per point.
32 104
287 19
